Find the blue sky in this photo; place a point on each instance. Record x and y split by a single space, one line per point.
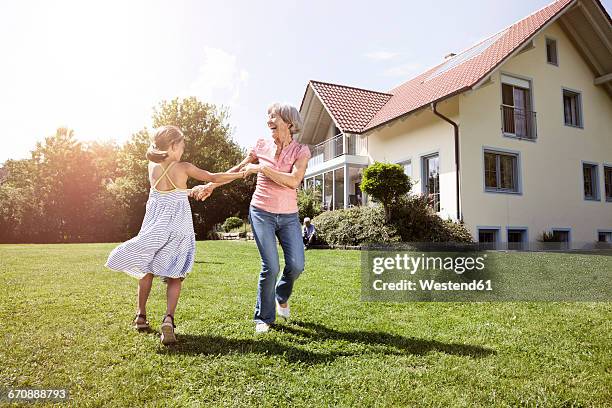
100 67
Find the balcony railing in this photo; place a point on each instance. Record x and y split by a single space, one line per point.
336 146
517 122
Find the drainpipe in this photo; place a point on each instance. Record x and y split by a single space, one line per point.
456 128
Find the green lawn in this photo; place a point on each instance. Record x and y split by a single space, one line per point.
65 322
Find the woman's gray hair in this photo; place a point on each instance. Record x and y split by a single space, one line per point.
289 114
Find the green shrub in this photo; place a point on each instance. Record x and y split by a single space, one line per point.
231 222
243 229
354 226
416 221
386 183
213 235
309 202
412 220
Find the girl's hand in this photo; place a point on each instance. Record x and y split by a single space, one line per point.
202 192
251 169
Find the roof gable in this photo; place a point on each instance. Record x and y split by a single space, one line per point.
357 110
351 108
439 82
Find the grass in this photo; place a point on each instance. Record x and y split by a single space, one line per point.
65 323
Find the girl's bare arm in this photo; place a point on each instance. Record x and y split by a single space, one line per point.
203 175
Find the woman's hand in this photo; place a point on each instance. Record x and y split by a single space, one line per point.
251 169
202 192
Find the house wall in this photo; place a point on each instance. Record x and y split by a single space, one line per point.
550 167
419 135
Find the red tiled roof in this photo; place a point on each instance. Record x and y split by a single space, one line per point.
352 108
358 110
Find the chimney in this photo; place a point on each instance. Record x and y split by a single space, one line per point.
448 56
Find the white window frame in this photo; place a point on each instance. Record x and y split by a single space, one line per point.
595 167
518 177
579 110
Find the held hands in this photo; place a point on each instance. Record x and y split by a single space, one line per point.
251 169
202 192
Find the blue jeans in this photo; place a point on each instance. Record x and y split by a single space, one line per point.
266 227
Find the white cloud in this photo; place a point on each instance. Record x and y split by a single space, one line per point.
219 79
404 70
381 55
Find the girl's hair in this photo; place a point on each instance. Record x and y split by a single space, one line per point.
289 114
161 141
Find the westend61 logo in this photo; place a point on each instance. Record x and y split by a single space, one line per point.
410 264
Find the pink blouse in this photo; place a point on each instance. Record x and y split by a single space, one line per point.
269 195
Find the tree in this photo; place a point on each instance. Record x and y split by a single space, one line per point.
20 210
129 190
386 183
66 183
58 194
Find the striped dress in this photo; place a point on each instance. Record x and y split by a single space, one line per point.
165 245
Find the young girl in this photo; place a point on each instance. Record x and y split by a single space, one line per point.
165 245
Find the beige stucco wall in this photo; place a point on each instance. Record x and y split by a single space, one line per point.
421 134
551 167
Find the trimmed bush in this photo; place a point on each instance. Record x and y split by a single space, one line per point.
416 221
412 220
386 183
354 226
232 222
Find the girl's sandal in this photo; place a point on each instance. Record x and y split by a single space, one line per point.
167 331
140 324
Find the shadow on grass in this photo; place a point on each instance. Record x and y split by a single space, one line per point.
389 344
216 345
403 345
209 262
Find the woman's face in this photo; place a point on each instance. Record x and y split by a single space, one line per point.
277 125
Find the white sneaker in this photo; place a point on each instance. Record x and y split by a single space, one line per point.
262 327
282 311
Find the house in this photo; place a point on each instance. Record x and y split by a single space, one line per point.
513 135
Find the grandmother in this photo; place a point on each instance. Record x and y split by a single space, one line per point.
280 163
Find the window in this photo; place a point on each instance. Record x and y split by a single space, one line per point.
608 182
328 188
308 183
488 238
589 175
431 179
517 117
318 183
407 165
501 172
551 52
355 196
572 110
561 235
604 236
339 188
517 238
